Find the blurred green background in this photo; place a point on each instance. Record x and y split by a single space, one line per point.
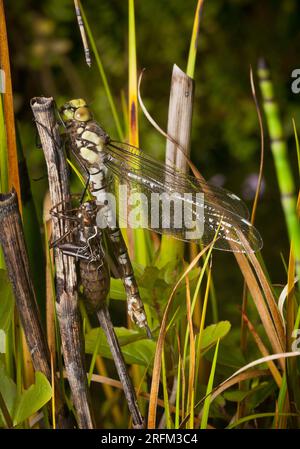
47 59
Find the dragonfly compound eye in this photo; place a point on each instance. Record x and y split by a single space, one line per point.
82 114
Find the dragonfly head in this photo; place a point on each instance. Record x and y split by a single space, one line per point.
75 110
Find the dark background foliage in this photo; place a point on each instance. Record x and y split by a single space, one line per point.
47 58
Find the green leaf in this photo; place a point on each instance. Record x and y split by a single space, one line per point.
7 301
135 348
8 391
254 396
236 396
228 359
214 332
32 399
260 394
140 352
117 290
149 277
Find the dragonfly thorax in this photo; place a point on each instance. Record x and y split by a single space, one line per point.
87 213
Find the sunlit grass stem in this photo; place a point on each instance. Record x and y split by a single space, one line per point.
281 159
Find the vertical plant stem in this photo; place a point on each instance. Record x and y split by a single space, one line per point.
167 415
132 77
207 402
141 236
13 173
159 348
281 160
192 357
101 368
179 128
16 259
82 33
107 326
66 281
103 76
3 151
190 70
50 290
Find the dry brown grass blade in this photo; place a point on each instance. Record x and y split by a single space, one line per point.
260 304
251 374
159 347
50 294
27 361
262 147
108 381
275 373
275 329
290 310
269 298
53 391
12 157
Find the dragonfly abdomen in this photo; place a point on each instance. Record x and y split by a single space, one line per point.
135 306
95 280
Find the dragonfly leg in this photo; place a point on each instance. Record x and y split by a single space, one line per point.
135 305
85 187
55 243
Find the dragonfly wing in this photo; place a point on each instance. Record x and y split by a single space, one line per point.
213 212
137 159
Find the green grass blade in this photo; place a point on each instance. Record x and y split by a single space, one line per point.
209 388
178 392
190 70
142 242
297 144
94 356
282 396
257 416
165 392
132 78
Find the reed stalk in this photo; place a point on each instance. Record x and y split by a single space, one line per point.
17 263
179 128
66 281
281 159
12 156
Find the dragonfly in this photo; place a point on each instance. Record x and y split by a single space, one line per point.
99 157
84 241
106 162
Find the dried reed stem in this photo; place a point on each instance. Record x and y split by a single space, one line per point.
16 259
